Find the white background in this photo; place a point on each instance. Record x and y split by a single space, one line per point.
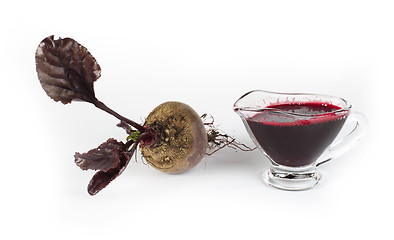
206 54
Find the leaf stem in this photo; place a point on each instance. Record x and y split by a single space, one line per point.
104 107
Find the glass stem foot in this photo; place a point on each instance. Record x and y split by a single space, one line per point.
291 178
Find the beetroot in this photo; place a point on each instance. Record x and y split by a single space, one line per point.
173 138
181 139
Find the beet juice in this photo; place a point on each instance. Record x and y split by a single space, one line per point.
296 134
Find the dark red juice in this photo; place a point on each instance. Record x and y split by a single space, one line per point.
297 141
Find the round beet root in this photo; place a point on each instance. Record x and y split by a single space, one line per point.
181 140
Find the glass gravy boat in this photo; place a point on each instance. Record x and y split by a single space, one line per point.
296 132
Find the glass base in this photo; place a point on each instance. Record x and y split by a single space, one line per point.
290 178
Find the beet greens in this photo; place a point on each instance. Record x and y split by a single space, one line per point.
67 72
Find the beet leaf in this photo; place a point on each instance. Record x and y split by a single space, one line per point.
101 179
66 70
108 155
111 158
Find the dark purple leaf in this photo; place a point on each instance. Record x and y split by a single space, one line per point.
66 70
101 179
108 155
125 126
111 158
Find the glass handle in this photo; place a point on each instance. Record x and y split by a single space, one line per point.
346 143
